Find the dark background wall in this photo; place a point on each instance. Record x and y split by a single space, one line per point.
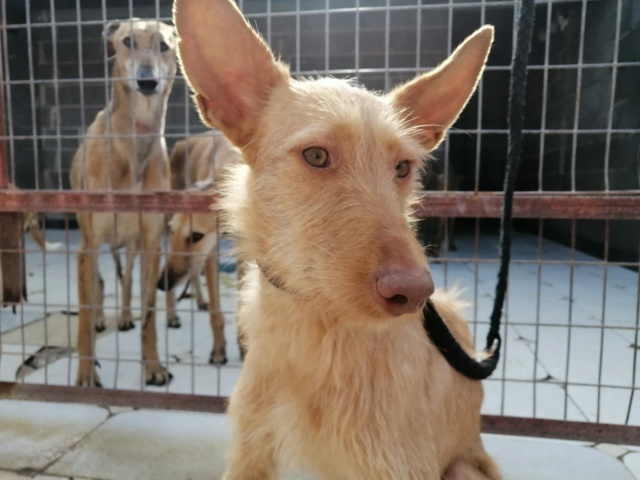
49 115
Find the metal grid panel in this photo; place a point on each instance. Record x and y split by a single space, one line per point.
567 356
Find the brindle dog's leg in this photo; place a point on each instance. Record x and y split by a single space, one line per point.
126 318
173 319
89 295
155 374
219 351
197 288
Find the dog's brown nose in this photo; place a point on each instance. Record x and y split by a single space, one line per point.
400 291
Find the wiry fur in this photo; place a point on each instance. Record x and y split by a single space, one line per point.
332 382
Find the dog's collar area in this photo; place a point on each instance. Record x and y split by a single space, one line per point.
438 333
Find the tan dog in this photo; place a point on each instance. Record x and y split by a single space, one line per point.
125 150
340 377
197 162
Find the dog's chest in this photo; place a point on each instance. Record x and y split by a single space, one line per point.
369 401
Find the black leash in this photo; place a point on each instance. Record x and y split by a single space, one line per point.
432 321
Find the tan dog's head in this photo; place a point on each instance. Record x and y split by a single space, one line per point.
324 200
144 53
194 236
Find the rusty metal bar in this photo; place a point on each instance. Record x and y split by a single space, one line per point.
562 429
106 397
530 427
80 201
559 205
584 205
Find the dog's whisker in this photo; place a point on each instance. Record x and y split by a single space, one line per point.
319 247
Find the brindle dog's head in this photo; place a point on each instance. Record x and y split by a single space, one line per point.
144 54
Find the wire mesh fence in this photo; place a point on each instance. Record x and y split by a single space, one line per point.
571 329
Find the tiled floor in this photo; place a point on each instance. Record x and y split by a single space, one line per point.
547 338
82 442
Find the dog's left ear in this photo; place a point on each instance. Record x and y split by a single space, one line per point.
107 34
433 101
227 64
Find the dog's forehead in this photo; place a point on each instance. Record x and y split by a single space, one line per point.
186 223
337 98
318 107
144 28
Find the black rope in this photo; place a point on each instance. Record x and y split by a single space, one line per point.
433 323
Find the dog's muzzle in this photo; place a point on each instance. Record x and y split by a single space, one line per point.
168 280
147 82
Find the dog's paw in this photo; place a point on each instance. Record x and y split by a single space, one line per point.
218 356
100 325
174 322
157 375
125 324
203 306
88 378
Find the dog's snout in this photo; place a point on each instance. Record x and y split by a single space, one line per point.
401 291
167 281
147 81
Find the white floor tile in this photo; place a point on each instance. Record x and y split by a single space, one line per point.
517 399
616 451
605 405
33 434
534 459
632 461
148 445
7 475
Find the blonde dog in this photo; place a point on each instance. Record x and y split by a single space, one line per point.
340 378
197 163
125 149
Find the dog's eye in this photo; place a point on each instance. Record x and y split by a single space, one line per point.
403 168
196 237
163 47
316 157
127 42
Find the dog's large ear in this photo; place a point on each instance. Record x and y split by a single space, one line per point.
228 66
107 34
434 100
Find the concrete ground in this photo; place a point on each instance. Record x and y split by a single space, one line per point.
78 442
570 352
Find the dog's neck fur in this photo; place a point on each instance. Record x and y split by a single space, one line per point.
273 279
138 118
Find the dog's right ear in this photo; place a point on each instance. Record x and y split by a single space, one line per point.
107 34
227 64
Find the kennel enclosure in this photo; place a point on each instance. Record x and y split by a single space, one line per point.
577 203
